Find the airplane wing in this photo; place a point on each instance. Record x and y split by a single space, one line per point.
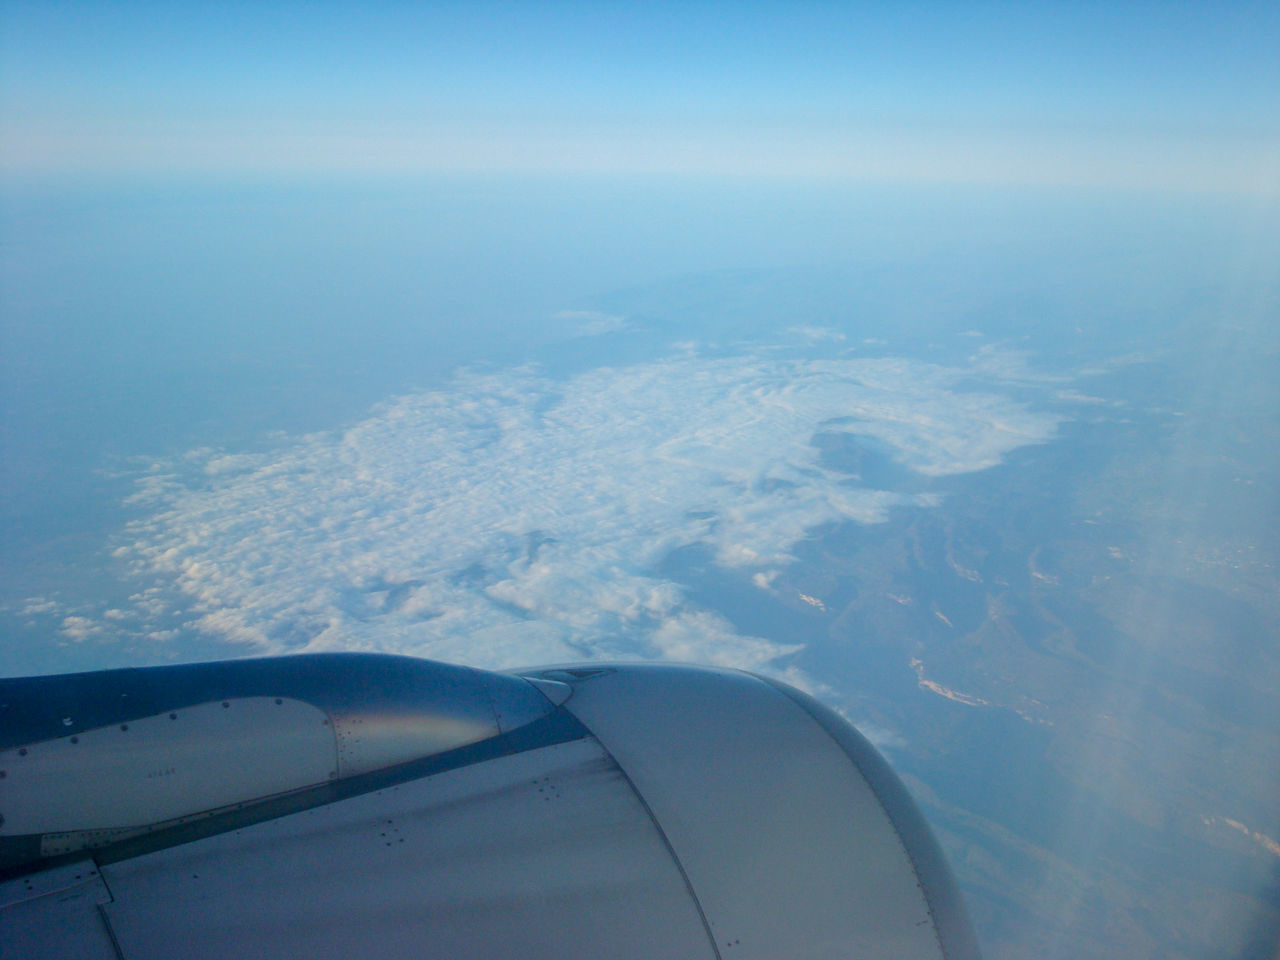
364 805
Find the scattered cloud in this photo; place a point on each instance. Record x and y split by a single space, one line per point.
815 334
593 323
813 601
79 628
36 606
764 578
1001 363
1075 396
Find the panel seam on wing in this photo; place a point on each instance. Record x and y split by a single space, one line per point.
666 841
893 824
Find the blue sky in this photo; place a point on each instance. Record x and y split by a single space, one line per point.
1166 95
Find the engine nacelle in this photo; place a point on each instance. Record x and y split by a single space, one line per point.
385 807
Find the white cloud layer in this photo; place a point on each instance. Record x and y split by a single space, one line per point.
514 519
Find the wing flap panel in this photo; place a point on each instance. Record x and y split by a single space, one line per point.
527 855
56 915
